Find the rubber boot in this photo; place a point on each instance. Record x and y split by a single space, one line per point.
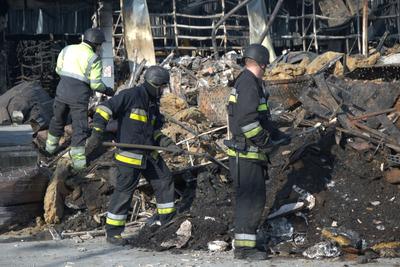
251 254
117 240
166 218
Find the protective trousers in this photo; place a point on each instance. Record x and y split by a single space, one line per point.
160 178
80 130
250 199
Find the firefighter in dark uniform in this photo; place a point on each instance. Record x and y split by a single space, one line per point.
139 122
80 70
252 133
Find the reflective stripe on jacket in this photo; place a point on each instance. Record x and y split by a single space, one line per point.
249 115
81 62
139 122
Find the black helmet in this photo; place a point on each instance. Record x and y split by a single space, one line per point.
94 36
156 76
258 53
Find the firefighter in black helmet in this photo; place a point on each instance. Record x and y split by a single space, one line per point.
252 132
80 69
139 122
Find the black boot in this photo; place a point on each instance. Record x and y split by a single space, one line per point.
252 254
117 240
166 218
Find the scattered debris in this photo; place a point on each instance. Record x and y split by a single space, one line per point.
336 180
322 250
183 235
217 246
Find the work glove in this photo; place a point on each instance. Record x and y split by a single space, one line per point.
94 141
279 138
167 142
109 91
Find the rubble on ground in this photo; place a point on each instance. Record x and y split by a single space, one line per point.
331 192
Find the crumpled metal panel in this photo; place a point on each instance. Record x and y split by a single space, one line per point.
137 31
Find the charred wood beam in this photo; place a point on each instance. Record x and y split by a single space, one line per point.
372 114
368 138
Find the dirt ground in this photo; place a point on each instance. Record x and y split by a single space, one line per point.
346 184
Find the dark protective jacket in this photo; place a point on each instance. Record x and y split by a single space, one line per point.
80 71
249 117
139 122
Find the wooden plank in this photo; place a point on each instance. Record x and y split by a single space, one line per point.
335 108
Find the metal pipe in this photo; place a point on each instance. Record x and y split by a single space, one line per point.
270 21
148 147
315 28
224 18
365 29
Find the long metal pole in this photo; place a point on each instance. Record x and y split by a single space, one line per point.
358 26
365 29
224 18
270 21
148 147
303 25
315 28
175 25
398 19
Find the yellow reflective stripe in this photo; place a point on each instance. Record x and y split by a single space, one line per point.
248 155
253 132
128 160
138 117
165 210
97 86
262 107
97 129
115 222
245 243
52 140
232 98
104 114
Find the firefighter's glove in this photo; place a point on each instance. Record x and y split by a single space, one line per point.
109 91
279 138
94 141
167 142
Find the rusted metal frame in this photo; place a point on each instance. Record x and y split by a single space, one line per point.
215 16
228 27
320 37
193 47
224 18
352 47
270 21
200 38
365 28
